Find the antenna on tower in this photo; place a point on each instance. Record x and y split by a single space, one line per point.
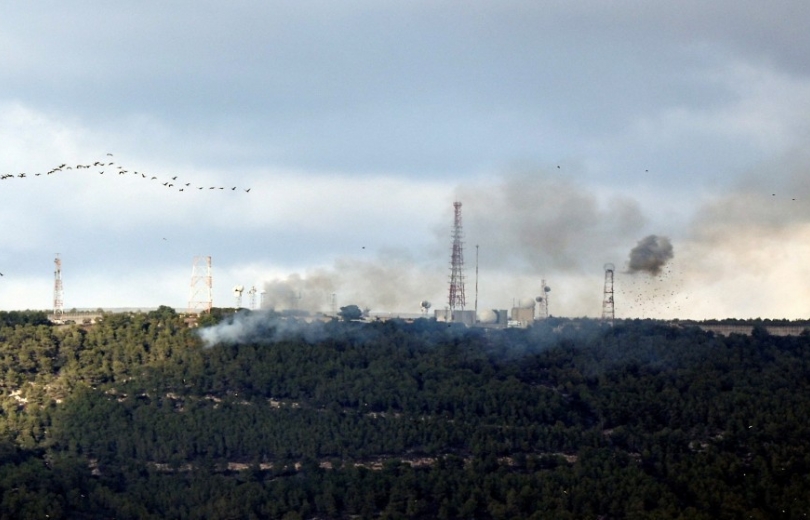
201 297
252 294
607 300
58 295
542 301
476 282
237 293
456 297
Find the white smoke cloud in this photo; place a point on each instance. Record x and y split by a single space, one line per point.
261 326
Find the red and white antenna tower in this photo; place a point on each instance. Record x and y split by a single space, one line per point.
456 299
58 295
201 297
607 300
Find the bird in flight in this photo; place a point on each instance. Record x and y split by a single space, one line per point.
97 165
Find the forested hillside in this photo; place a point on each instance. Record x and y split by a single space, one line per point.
136 417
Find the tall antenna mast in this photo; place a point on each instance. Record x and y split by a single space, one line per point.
607 299
201 285
456 299
252 293
237 294
476 282
542 301
58 295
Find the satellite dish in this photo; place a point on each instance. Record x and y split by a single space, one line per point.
425 304
538 299
547 288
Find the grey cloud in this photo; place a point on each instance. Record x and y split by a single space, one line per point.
541 221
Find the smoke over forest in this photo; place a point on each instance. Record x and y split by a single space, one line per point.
245 327
538 224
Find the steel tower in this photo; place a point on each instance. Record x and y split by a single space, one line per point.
58 295
607 299
542 301
201 297
252 293
456 299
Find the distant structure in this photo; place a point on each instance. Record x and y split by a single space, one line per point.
201 298
607 300
237 294
456 299
58 295
424 306
476 282
261 298
252 294
523 314
542 302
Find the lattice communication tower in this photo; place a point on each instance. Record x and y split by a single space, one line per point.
542 301
58 295
607 299
237 294
456 298
201 297
252 294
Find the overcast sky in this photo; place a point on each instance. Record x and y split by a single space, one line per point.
570 132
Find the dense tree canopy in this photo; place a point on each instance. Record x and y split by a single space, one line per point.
134 418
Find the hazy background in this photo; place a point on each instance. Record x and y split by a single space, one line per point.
571 132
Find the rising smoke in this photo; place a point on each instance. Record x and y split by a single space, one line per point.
650 255
255 327
537 221
528 224
393 281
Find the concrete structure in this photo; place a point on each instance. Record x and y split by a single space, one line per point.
446 315
522 316
67 318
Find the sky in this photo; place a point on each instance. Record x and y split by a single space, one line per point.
573 134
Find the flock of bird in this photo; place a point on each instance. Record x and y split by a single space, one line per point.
109 166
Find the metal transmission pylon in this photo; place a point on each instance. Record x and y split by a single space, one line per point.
607 300
252 293
201 297
542 302
456 299
237 294
58 295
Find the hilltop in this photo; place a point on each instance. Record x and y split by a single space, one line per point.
137 417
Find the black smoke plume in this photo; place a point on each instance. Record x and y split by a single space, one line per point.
650 255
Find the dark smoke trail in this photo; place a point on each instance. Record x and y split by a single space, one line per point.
650 255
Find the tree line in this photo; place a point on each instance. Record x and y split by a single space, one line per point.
134 417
